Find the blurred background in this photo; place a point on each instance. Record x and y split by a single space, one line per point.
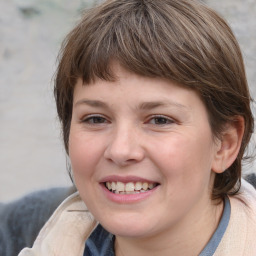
32 156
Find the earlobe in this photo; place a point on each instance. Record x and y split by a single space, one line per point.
229 145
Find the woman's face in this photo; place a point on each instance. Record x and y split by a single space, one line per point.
142 153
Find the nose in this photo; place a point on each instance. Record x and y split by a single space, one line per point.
124 147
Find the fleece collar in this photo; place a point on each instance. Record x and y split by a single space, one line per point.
239 238
66 231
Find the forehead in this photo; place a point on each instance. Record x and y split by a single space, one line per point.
138 91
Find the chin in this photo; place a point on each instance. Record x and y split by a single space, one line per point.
128 228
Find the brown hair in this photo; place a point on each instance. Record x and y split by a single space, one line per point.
181 40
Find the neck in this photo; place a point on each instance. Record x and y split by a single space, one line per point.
191 235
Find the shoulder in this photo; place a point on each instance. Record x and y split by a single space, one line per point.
22 219
251 178
239 238
245 200
71 222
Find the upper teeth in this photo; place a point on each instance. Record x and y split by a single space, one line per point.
130 186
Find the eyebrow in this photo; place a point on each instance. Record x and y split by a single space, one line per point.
143 106
155 104
92 103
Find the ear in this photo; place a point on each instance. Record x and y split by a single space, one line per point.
228 146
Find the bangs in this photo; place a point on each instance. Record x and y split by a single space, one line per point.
142 37
127 38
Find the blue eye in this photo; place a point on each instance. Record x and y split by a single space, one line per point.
95 120
160 120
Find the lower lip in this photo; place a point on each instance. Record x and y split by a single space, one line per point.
127 198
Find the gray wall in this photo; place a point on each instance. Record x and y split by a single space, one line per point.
31 152
241 15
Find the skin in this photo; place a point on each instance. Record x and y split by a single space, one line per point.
140 128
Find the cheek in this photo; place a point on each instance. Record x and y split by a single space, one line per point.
184 156
84 152
186 167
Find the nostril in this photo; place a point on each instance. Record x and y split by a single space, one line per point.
124 147
124 158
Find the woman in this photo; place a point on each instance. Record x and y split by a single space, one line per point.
155 111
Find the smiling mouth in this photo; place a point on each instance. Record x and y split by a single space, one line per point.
130 187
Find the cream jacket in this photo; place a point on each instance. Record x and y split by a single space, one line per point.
71 224
65 232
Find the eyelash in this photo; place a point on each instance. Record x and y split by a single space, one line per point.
92 118
163 118
98 119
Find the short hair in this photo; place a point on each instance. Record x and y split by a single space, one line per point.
180 40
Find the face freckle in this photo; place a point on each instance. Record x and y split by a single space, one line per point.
139 130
